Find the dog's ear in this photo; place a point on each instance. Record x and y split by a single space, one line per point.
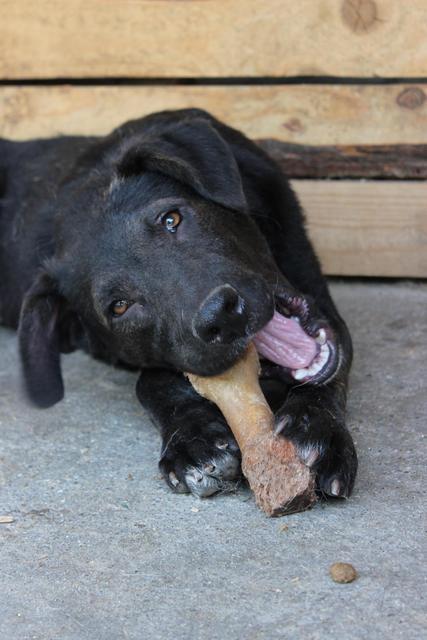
194 153
39 342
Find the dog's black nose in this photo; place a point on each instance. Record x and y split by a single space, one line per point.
222 317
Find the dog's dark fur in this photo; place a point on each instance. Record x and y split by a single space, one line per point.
82 224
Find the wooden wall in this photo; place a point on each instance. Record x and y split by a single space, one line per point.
349 74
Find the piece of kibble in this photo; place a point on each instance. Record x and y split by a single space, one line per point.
342 572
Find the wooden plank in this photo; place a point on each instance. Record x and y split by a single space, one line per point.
307 114
375 228
212 38
402 161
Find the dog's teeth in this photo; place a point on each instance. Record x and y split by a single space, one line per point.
299 374
321 337
315 367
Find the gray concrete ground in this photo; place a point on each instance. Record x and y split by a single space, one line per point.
100 549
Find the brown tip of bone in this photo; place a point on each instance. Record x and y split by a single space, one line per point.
281 483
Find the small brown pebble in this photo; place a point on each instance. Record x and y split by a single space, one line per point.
6 519
284 527
342 572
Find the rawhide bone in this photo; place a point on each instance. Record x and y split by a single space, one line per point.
281 483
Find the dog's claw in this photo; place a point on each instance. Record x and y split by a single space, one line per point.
173 479
281 424
335 488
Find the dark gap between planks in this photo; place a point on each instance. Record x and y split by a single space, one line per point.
217 81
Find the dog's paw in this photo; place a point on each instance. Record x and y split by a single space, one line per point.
202 460
323 443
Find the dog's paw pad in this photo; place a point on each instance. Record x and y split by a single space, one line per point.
220 475
203 461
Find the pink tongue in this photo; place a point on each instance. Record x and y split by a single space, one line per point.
284 342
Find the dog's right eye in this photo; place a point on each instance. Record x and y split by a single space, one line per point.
119 307
171 220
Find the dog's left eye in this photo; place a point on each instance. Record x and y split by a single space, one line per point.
171 220
119 307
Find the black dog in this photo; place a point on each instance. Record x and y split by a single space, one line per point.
167 246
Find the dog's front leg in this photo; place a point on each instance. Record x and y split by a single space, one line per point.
199 453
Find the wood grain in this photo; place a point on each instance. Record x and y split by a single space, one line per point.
402 161
307 114
212 38
374 228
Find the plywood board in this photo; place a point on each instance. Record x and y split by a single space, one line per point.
375 228
307 114
212 38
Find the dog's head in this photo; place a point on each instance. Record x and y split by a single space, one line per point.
156 259
158 263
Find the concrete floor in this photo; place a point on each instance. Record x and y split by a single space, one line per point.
99 548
